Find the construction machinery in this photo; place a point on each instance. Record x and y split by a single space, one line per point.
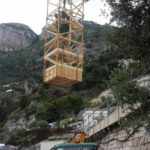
78 142
63 56
79 138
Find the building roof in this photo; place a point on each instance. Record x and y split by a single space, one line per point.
75 145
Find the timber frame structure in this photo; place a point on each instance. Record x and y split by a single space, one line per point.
64 41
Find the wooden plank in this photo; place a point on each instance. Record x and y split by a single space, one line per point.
78 7
73 31
70 67
68 52
50 60
52 32
63 81
55 38
80 43
79 10
51 53
50 68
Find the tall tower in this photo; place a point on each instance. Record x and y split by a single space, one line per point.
63 56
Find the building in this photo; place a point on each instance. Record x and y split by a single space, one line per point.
90 118
44 145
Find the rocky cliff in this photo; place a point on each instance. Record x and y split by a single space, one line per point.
15 36
42 35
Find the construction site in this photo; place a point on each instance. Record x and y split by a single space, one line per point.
79 85
63 59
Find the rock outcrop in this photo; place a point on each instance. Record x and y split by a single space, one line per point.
92 54
15 36
42 35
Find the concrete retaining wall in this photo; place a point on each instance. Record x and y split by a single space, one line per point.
138 141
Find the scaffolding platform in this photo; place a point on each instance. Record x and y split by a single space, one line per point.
63 75
63 55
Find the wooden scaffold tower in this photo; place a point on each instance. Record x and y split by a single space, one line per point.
63 56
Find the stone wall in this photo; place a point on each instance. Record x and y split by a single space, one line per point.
120 140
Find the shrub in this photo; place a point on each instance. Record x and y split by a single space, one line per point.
65 122
15 137
38 124
60 108
24 102
30 110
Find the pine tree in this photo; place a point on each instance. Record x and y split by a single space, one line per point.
133 34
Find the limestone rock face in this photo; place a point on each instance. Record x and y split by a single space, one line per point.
42 35
15 36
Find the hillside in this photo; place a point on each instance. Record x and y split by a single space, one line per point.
111 104
27 63
27 105
35 104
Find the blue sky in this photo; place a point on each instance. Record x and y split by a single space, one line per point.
33 12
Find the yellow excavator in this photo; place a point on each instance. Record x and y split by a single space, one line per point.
79 138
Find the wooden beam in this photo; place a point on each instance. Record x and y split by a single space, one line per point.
55 38
80 43
67 66
51 53
50 60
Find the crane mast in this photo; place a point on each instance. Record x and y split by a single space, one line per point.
64 41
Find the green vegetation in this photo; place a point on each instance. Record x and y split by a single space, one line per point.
107 102
32 109
124 89
65 122
38 124
6 108
24 102
97 72
132 37
21 137
15 137
60 108
130 41
95 34
27 64
48 103
128 93
19 65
